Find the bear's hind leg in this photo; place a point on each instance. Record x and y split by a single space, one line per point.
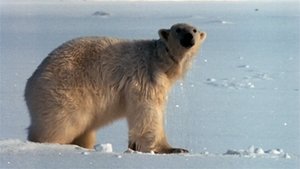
86 140
45 134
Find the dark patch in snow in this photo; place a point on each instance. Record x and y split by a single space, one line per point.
101 13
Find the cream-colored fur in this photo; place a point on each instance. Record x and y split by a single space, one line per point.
87 83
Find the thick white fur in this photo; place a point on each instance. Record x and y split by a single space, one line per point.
87 83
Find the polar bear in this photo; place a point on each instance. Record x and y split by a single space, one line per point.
89 82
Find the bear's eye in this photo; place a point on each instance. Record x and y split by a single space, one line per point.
178 30
194 30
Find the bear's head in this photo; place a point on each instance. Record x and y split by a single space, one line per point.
181 39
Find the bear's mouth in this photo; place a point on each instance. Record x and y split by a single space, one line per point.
187 41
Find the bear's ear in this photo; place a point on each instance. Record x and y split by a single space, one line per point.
202 36
164 34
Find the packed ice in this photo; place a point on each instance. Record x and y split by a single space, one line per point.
254 152
105 148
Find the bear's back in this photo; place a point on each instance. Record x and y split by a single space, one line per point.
76 50
72 55
70 62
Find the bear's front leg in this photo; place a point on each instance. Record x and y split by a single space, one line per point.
146 130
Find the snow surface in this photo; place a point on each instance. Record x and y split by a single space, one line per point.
24 154
242 90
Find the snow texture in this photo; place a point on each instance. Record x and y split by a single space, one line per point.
243 88
17 154
106 148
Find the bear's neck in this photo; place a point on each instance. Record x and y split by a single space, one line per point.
168 63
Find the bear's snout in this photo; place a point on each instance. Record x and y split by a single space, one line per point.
188 40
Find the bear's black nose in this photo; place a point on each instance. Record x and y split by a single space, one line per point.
187 41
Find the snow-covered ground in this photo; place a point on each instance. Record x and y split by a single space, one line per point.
20 154
242 90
